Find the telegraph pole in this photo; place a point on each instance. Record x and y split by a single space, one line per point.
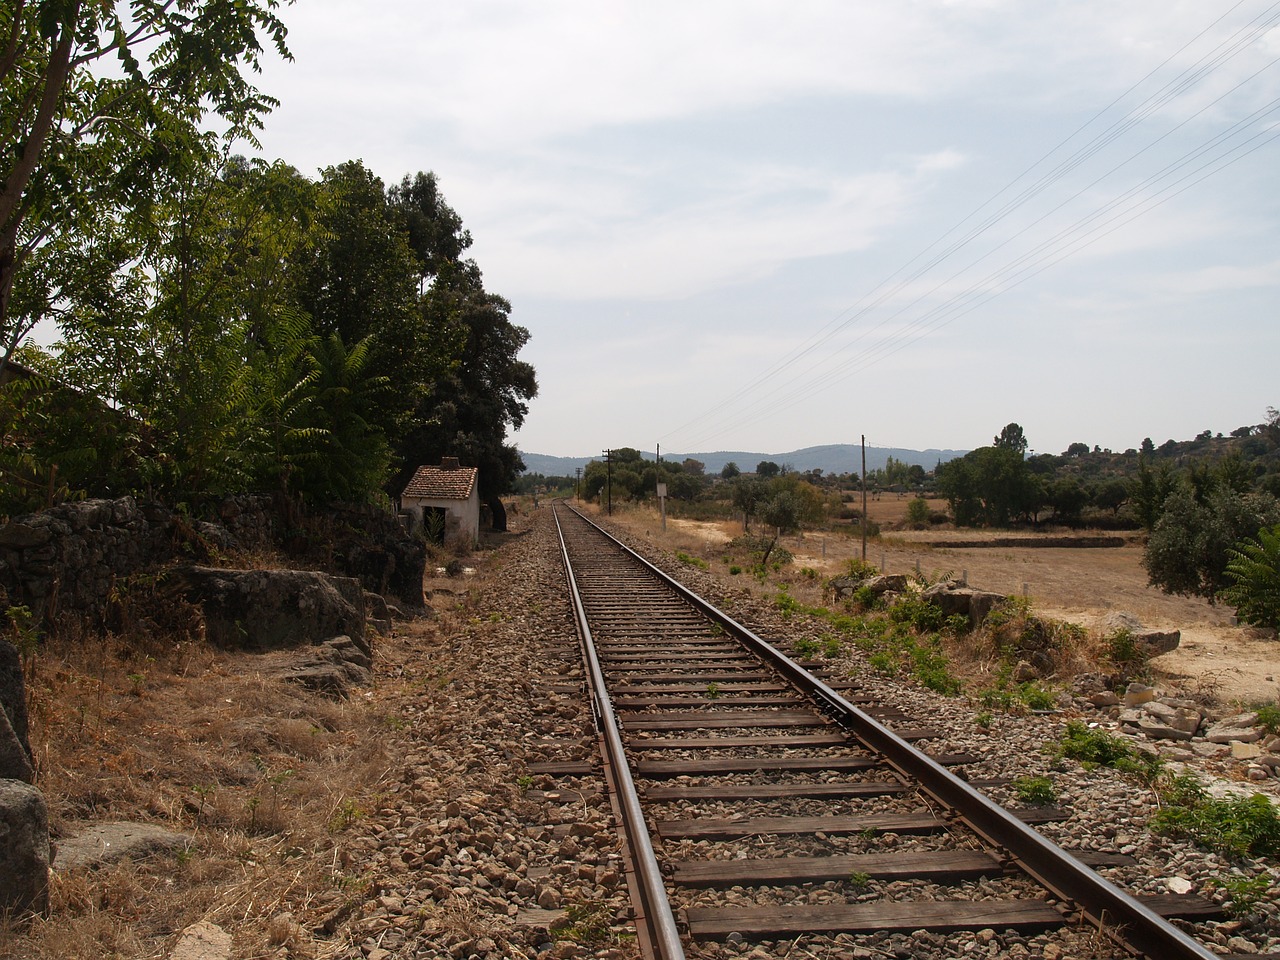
608 480
864 498
577 484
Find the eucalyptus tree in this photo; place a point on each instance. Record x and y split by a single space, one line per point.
97 100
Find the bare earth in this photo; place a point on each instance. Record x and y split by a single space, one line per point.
1215 657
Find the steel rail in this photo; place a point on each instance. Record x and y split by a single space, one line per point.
1113 911
654 912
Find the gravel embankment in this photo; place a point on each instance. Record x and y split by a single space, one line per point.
464 855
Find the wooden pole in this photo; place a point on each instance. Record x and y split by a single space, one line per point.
864 498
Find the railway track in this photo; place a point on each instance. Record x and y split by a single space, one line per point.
760 801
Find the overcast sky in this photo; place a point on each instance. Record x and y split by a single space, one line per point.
766 225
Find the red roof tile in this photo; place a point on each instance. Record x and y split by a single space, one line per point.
438 483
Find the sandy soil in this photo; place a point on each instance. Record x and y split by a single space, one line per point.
1215 657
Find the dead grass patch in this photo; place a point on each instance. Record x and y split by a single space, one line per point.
256 771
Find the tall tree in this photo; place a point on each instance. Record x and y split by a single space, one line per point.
433 228
467 410
83 140
1012 438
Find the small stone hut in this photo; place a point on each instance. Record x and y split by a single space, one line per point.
444 501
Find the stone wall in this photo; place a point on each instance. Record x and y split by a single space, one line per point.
65 562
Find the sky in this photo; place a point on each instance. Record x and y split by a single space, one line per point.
746 225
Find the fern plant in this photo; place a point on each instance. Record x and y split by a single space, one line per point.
1254 572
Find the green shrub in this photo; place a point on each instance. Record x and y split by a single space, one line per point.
858 569
883 662
1123 653
1236 827
1036 697
918 512
1269 717
805 647
734 570
917 612
692 561
1038 790
864 598
1097 748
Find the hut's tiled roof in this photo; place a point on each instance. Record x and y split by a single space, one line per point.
442 483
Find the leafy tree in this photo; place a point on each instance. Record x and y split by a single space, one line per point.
729 471
1011 438
766 469
1111 495
1253 572
1076 450
1189 547
1150 489
782 513
466 410
695 467
989 486
746 497
433 228
1068 500
918 512
360 280
87 140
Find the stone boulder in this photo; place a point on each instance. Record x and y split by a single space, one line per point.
332 667
260 610
1149 642
112 842
24 850
845 587
15 750
955 599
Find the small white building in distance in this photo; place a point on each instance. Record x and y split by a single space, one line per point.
445 501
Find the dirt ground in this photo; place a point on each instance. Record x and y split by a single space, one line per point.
1215 658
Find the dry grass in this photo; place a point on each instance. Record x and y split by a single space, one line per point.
262 775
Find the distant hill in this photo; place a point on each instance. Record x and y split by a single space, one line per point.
830 458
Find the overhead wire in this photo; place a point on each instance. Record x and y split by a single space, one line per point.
1241 39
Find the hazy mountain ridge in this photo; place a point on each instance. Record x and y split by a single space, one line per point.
829 458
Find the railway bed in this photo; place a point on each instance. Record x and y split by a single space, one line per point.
760 800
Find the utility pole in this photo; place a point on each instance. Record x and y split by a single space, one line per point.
864 498
608 480
577 484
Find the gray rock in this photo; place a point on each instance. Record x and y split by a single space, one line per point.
111 842
1149 642
274 609
15 764
333 667
202 941
844 587
13 704
1239 728
1137 694
24 849
1156 730
962 601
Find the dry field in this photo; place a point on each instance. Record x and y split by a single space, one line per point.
1215 658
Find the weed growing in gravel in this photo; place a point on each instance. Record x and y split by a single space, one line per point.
713 691
859 881
805 647
786 604
1039 790
1097 748
586 923
1245 894
983 719
1269 717
692 561
1235 826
